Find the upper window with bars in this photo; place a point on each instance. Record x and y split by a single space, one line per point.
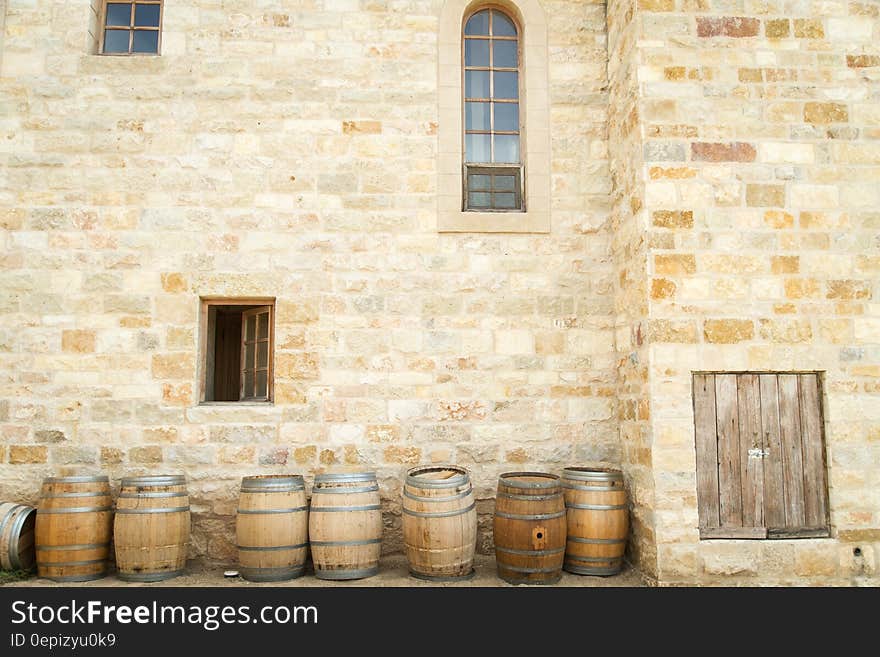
492 160
131 28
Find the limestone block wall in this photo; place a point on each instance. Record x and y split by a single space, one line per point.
762 160
288 149
630 248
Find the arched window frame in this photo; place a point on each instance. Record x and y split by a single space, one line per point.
534 121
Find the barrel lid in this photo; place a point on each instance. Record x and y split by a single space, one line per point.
437 476
533 480
344 477
592 474
154 480
272 482
78 479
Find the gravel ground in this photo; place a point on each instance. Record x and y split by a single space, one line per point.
393 572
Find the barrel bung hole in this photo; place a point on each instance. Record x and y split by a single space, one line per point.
540 535
857 552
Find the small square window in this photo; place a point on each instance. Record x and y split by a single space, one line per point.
238 349
493 188
131 28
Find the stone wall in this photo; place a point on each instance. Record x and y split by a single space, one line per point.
762 160
287 149
630 245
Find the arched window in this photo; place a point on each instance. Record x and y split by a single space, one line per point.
492 161
493 165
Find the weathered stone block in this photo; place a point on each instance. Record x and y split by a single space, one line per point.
28 454
717 152
78 341
822 113
765 195
729 26
728 331
675 265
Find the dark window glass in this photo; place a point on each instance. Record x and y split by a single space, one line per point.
502 25
116 40
119 13
146 41
478 23
476 52
504 54
506 117
146 15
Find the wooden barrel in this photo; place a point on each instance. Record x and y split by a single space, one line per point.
345 525
73 528
272 527
598 520
17 536
439 522
529 527
151 531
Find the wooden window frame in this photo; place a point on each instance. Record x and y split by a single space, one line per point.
131 29
493 170
255 303
512 168
736 498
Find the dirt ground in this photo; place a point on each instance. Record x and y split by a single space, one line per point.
393 572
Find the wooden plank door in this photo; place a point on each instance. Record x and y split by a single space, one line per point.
760 455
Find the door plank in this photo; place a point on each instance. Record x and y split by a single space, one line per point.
729 460
707 450
792 459
774 500
733 532
751 450
815 504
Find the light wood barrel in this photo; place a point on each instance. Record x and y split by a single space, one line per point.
151 531
345 525
17 523
598 520
272 527
439 522
73 528
529 527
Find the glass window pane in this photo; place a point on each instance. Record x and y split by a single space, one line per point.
505 183
479 200
251 328
476 116
146 15
507 148
502 25
249 356
505 201
506 117
479 182
476 148
476 84
146 41
476 52
263 332
262 354
248 377
118 13
116 40
506 85
262 384
478 23
504 54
